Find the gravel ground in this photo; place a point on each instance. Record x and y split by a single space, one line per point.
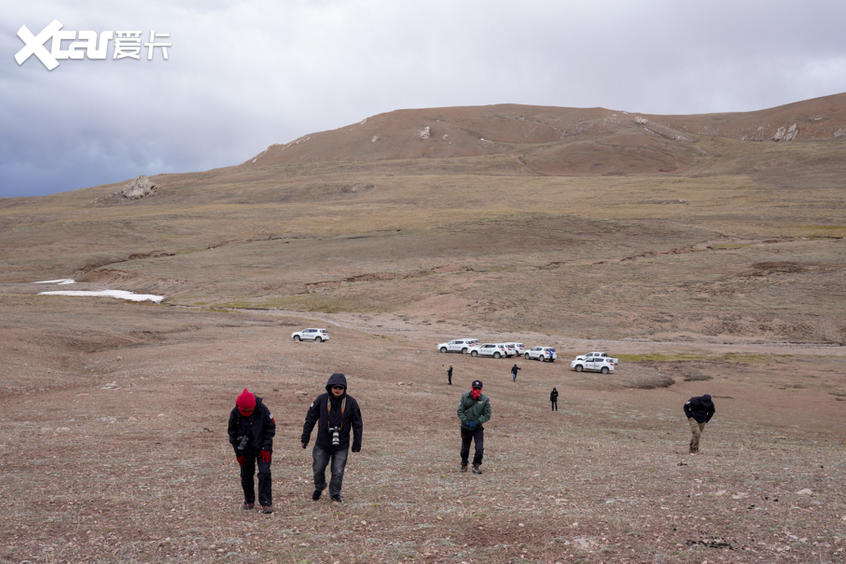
114 446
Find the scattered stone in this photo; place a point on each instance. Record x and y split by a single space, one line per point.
757 136
805 491
840 133
788 134
425 133
792 132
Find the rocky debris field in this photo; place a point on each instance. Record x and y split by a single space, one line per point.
115 449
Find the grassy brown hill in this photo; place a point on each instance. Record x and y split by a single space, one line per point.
549 140
587 221
708 262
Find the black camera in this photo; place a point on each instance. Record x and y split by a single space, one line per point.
336 435
243 441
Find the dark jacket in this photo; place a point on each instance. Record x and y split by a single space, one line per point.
319 412
259 428
553 395
514 369
701 408
473 410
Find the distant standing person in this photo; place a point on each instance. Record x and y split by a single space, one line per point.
449 375
514 370
474 410
251 431
335 413
699 410
553 399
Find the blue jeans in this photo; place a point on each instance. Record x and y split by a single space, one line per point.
321 459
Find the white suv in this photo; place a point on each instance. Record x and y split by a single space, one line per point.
615 361
519 348
593 364
311 334
510 349
458 345
543 354
488 349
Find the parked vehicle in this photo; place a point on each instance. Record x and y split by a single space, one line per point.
519 348
488 349
616 361
311 334
591 363
543 354
458 345
510 349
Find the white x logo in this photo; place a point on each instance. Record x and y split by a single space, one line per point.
34 45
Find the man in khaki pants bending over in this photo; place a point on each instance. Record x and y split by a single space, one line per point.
699 410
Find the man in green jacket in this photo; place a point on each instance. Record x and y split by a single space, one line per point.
474 410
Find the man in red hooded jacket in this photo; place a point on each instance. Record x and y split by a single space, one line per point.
251 431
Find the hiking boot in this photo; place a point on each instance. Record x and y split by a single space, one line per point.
315 495
336 498
464 467
267 509
477 469
247 506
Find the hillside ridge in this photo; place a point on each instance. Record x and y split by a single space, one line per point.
557 140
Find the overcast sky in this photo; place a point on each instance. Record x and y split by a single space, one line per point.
243 75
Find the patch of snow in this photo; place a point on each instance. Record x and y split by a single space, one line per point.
60 281
120 294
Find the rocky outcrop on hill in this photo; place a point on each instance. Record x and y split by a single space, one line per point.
757 136
138 188
788 134
660 130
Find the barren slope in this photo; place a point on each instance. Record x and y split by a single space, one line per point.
707 262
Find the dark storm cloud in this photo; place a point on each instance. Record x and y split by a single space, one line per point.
242 77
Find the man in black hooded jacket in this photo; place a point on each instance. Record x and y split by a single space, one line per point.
335 413
699 410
